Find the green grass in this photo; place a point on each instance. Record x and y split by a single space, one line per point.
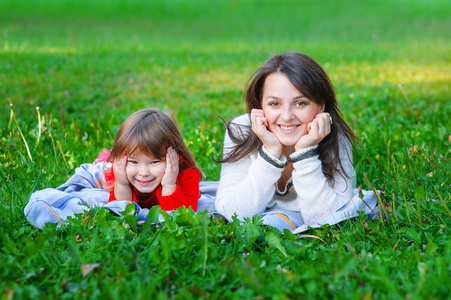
89 64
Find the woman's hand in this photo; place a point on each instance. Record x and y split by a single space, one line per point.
169 180
120 176
318 129
269 139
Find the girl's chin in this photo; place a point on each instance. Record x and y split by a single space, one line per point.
146 194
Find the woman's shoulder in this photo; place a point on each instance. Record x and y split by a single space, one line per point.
241 120
344 142
240 126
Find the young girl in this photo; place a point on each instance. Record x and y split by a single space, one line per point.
290 156
151 164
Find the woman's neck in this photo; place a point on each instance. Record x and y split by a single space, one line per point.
287 150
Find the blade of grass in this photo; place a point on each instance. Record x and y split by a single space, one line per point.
39 125
407 208
18 128
378 198
441 200
408 160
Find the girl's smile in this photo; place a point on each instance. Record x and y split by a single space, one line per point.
144 173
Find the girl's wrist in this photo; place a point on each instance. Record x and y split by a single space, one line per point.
168 189
122 184
169 185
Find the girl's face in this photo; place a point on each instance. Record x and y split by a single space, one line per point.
286 109
144 173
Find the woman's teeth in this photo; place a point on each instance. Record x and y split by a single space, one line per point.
288 127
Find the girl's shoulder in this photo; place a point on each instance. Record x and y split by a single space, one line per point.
189 174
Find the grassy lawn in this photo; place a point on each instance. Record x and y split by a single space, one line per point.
87 65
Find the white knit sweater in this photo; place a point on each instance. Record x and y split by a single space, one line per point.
249 186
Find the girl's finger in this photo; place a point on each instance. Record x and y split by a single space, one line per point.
169 158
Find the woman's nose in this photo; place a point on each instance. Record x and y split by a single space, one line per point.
287 114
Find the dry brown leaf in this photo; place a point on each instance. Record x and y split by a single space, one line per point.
86 269
394 247
78 238
312 236
411 242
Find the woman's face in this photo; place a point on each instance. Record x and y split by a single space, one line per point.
286 109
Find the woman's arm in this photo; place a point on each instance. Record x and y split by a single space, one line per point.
246 186
318 198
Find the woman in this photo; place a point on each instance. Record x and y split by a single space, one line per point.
290 156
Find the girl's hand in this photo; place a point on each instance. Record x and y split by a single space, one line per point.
318 129
120 176
269 139
172 169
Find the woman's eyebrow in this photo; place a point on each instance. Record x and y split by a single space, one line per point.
273 97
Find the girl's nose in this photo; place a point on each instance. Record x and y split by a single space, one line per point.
144 171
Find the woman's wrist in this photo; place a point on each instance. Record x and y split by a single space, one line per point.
274 151
304 154
277 161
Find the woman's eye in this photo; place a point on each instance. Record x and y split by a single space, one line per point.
274 104
155 162
301 103
132 161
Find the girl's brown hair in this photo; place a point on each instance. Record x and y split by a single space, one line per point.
312 81
151 132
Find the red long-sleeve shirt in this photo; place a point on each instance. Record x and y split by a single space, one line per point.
186 193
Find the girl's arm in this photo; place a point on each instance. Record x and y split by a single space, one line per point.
178 189
247 186
122 189
185 194
318 198
169 180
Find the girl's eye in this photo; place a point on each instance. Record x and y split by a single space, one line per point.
155 162
301 103
273 103
130 161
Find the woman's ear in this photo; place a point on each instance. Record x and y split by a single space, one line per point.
321 108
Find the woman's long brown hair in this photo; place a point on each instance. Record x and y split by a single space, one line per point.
312 81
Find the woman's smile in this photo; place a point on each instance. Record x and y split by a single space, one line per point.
288 129
287 111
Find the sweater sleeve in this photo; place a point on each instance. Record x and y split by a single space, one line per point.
318 198
246 186
186 194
